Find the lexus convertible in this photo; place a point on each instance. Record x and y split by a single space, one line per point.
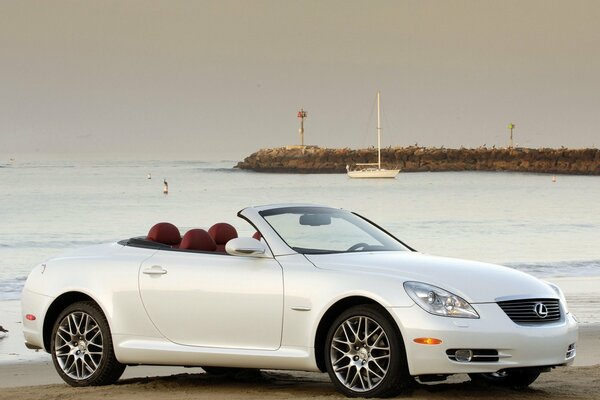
314 289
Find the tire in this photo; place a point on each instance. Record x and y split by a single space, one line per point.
518 378
81 346
365 355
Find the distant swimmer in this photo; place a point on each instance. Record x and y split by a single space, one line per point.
165 186
149 176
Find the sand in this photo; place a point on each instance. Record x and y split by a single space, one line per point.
562 383
29 375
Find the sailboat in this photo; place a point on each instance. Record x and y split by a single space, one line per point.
373 170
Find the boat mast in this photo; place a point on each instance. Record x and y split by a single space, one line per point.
378 134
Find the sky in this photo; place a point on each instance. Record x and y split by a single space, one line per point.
217 80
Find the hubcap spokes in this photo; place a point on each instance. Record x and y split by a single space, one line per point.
78 345
360 353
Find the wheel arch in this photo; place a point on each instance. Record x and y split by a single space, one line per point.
331 314
59 304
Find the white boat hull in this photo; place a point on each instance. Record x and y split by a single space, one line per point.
374 173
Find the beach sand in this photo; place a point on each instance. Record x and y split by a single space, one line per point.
25 374
562 383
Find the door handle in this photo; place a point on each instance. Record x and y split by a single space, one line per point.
155 270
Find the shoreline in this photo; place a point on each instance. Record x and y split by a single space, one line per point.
313 159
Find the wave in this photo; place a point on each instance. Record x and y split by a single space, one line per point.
50 244
10 289
559 269
218 169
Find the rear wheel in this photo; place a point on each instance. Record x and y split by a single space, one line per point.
515 378
81 347
364 354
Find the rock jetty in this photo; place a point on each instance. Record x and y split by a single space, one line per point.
313 159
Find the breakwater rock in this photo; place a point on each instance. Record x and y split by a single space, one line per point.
313 159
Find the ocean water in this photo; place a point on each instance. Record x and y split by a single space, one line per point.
524 221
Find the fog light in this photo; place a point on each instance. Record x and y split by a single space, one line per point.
571 351
463 355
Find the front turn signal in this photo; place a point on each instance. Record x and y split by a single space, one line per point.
427 340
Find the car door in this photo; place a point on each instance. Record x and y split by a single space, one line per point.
214 300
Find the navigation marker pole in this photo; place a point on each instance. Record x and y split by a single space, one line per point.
378 132
511 126
301 115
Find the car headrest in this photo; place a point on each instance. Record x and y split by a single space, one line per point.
165 233
197 239
222 233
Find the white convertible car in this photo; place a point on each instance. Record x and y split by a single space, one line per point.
315 289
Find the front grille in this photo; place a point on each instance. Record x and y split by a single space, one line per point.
536 311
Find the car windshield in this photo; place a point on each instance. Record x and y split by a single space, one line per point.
317 230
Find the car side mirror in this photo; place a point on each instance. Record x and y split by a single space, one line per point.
245 246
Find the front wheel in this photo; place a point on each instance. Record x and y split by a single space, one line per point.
515 378
364 354
81 347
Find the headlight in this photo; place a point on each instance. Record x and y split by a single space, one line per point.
560 295
438 301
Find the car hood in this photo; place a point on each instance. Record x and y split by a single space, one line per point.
476 282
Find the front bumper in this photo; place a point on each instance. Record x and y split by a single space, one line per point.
540 345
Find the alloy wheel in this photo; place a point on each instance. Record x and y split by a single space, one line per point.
360 353
78 345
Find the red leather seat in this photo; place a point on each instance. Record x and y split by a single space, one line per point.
222 233
197 239
165 233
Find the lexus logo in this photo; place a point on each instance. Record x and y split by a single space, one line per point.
540 310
